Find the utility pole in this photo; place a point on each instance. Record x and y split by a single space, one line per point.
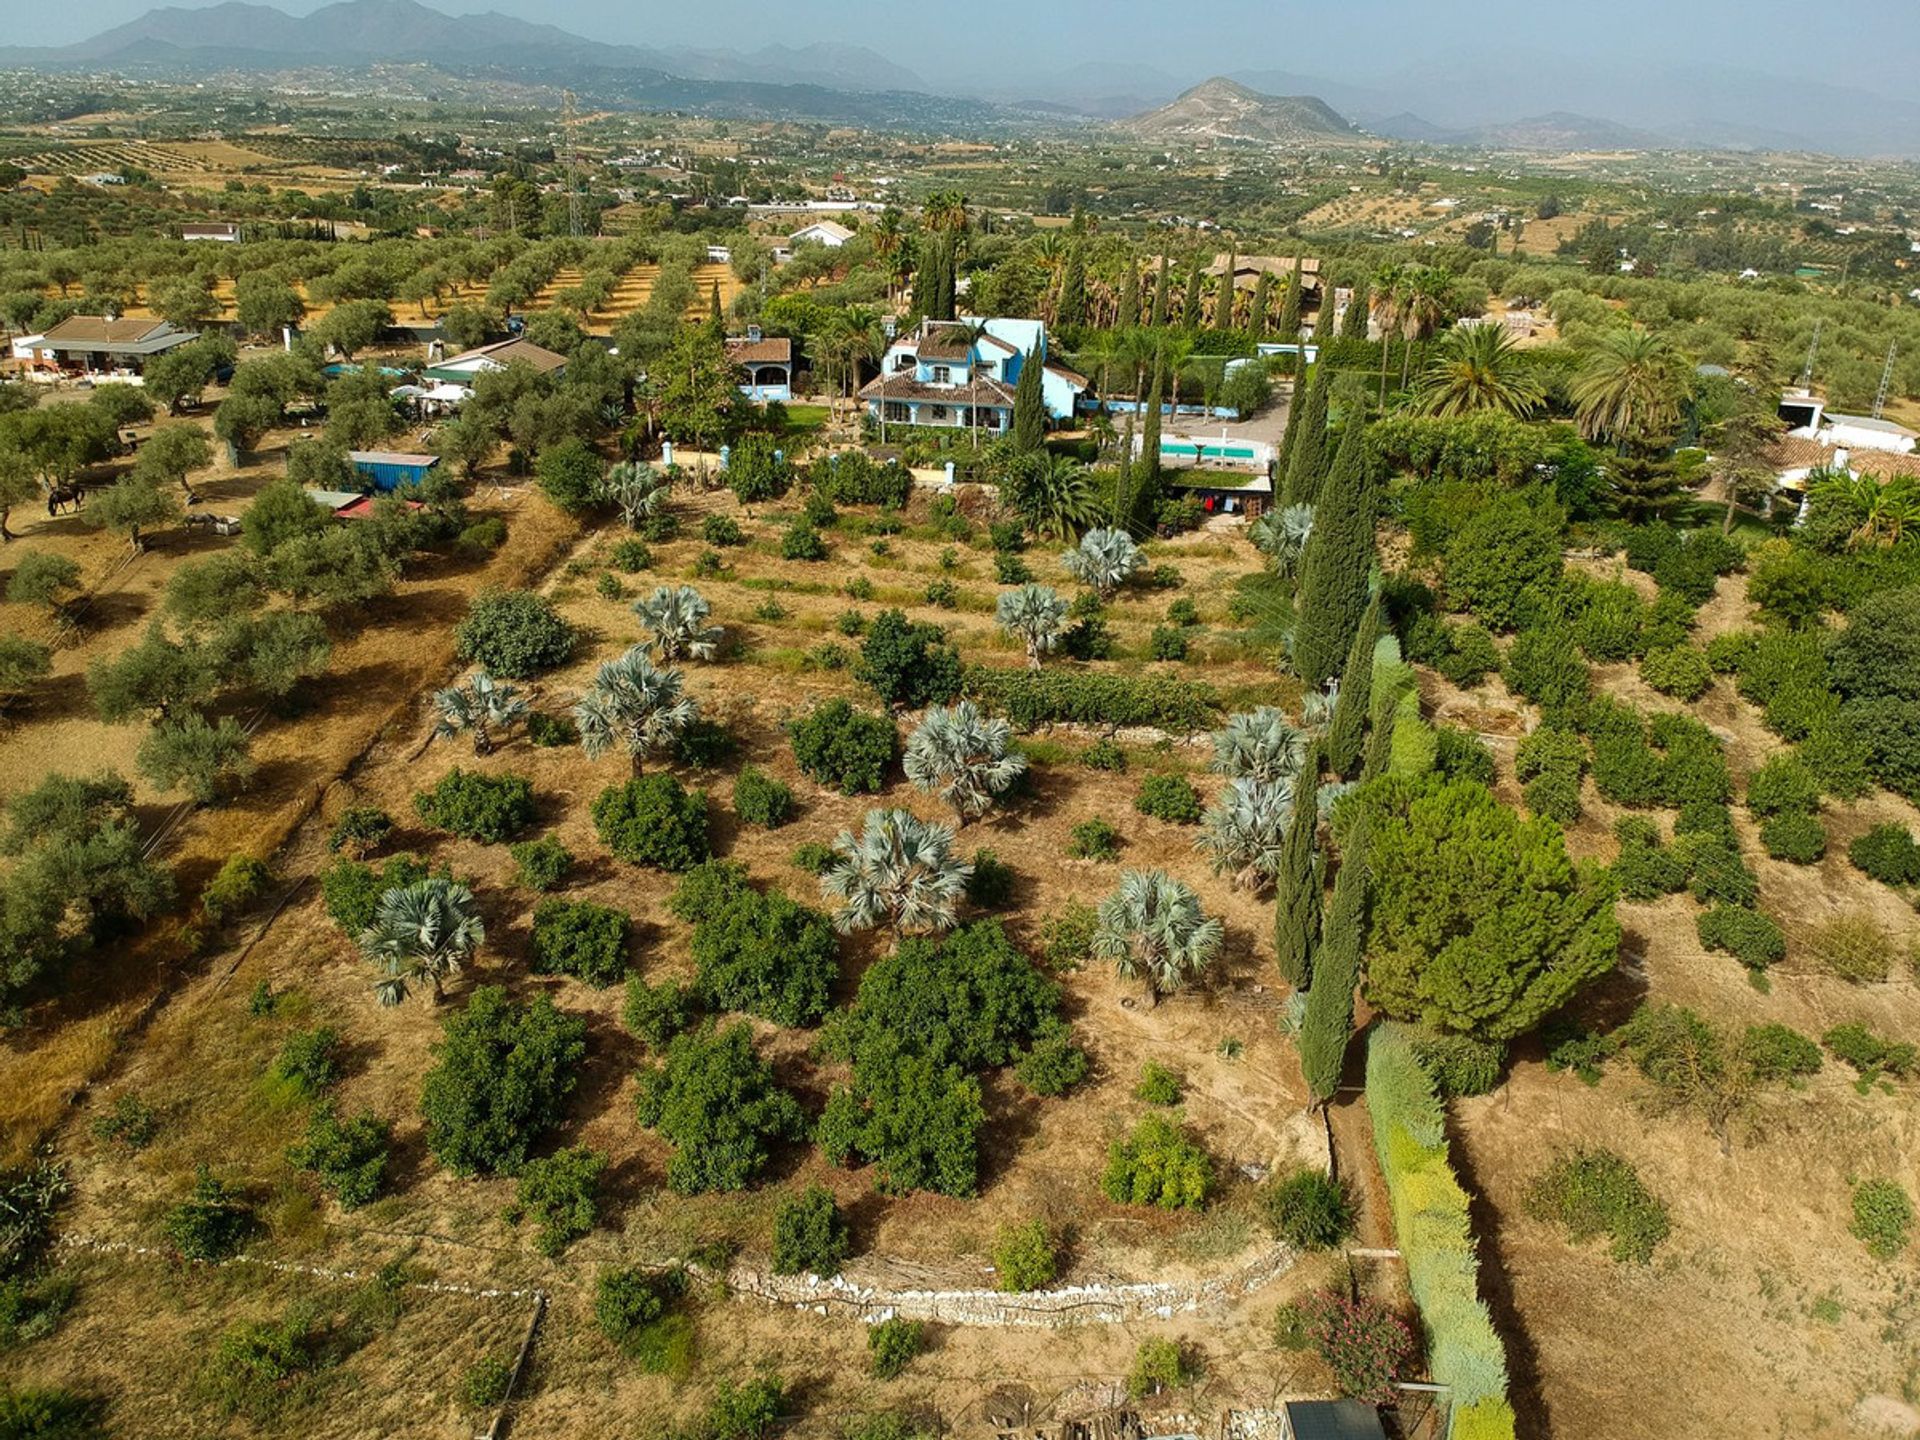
570 125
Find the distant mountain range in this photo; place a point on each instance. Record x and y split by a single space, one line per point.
1222 109
1570 102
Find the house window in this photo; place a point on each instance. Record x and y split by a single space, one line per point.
903 362
898 411
939 414
942 375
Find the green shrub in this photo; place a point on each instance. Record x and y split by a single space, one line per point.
130 1123
1460 1064
211 1223
853 477
1169 797
769 956
1104 755
759 799
990 886
1032 699
943 594
707 888
1645 869
715 1101
482 537
1167 643
1867 1053
1678 670
259 1369
721 530
352 889
1469 656
1795 836
1054 1064
608 586
1882 1217
848 749
1597 1192
309 1061
630 554
1887 853
540 864
581 939
656 1013
1779 1052
515 634
745 1412
1094 840
705 745
653 820
1549 762
349 1156
483 808
1066 936
359 829
810 1234
1157 1165
557 1193
800 541
662 527
1544 666
550 732
485 1383
635 1311
1782 786
1025 1257
908 664
812 857
1158 1085
1747 935
1308 1209
1158 1366
914 1115
500 1081
238 883
893 1345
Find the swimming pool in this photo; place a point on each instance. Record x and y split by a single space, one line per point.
1189 450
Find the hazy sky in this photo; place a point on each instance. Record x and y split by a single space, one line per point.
1875 42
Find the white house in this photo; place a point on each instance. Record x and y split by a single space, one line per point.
940 375
223 232
829 233
461 369
1811 420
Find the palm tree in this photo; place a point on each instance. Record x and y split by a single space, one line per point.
1175 352
677 617
1103 560
946 210
1629 388
1259 745
1036 614
1478 368
1882 512
1153 929
1423 305
1281 535
963 757
425 931
635 705
973 330
1245 830
889 238
1387 293
637 489
477 705
1051 492
899 871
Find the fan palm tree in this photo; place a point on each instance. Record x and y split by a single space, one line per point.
899 871
1245 830
1037 614
963 757
1281 535
1153 930
1387 293
889 239
635 705
421 932
1423 305
676 615
478 705
1478 368
946 210
1103 560
637 489
1259 745
974 330
1629 387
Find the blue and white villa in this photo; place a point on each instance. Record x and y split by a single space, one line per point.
942 373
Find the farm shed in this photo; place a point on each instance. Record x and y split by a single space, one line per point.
388 469
93 343
1330 1420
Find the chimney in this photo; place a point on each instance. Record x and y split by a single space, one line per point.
753 334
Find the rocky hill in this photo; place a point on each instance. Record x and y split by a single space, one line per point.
1221 109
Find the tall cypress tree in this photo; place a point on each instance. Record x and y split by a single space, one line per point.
1072 309
1124 476
1349 723
1328 1023
1260 305
715 317
1158 316
1029 406
1289 326
1126 312
926 266
1335 564
1190 306
1307 443
1144 489
1296 916
1223 304
1353 325
946 278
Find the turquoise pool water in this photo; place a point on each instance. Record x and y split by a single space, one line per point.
1187 449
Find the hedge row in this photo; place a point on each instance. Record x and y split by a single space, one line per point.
1035 698
1436 1238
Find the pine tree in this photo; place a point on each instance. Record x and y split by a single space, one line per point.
1190 306
1296 919
1348 726
1260 305
1307 443
1353 325
1289 326
1158 317
1336 564
1126 313
1328 1023
1072 309
1029 406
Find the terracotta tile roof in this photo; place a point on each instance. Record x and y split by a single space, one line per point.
1788 453
944 340
773 350
904 387
507 352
